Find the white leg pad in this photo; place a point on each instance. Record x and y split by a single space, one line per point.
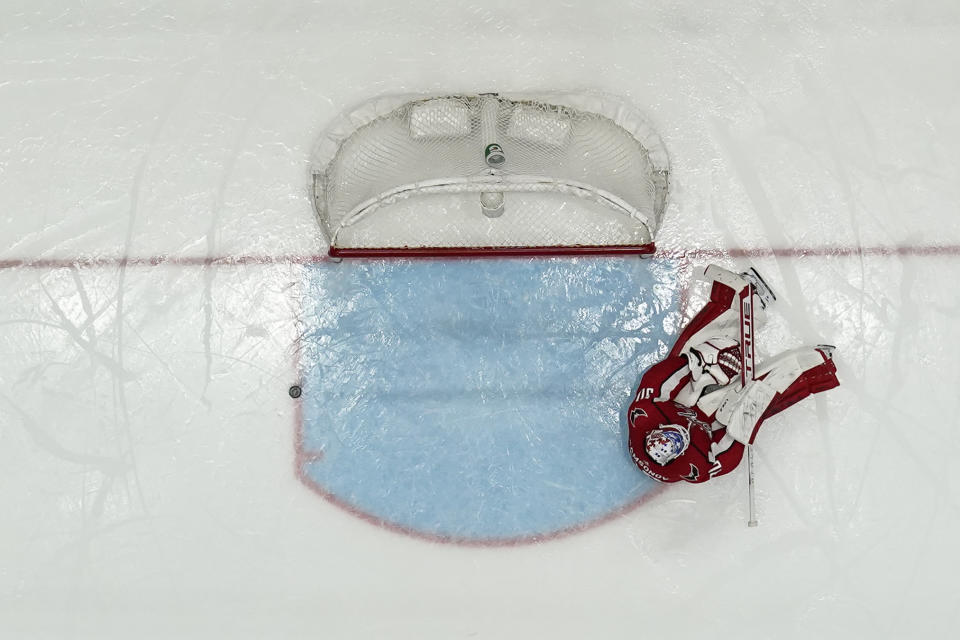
718 274
742 408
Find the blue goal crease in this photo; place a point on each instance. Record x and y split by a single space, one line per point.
480 399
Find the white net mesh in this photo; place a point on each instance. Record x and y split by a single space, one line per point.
577 171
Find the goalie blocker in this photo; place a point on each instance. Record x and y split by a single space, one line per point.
692 417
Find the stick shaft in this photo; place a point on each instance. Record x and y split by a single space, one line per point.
747 371
752 522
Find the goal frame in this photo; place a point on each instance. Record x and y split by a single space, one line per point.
614 108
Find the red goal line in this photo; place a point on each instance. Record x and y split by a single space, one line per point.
921 251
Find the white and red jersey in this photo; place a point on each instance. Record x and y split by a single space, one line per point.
689 386
655 405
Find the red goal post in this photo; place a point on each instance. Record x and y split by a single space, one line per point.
490 174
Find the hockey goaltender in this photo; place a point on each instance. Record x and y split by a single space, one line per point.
695 411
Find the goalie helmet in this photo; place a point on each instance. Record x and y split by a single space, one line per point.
667 443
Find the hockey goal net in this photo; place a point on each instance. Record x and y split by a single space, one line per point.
490 174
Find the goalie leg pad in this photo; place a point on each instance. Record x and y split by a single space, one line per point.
742 409
783 370
733 280
781 383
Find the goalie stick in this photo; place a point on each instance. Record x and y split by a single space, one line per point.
747 370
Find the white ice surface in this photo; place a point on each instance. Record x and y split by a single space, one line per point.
146 441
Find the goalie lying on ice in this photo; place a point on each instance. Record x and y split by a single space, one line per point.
693 415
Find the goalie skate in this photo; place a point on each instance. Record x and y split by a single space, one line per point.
827 350
760 287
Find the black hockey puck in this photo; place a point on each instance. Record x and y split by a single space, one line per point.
295 391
